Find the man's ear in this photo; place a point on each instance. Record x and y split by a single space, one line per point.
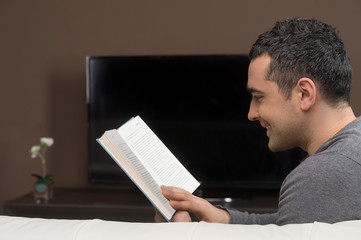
307 92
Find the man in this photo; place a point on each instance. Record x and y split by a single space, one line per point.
300 80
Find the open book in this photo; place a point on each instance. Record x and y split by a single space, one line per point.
147 162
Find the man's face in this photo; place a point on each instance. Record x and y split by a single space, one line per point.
268 106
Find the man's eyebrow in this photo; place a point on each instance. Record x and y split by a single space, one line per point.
253 90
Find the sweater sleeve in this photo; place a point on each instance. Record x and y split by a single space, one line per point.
239 217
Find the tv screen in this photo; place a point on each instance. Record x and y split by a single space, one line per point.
198 107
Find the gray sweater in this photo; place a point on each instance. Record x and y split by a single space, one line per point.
325 187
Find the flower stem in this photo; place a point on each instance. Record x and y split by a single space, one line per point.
43 163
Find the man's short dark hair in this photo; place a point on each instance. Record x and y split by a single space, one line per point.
306 48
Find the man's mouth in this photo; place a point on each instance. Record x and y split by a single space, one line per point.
267 127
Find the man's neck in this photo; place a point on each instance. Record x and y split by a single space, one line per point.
326 124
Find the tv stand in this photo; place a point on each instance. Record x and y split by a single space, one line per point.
244 199
117 204
227 200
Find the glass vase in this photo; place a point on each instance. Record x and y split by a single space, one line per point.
43 192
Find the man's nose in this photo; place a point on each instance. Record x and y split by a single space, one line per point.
253 114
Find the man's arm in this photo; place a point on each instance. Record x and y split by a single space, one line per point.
183 202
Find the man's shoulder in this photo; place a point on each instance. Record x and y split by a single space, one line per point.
325 168
320 188
345 145
329 174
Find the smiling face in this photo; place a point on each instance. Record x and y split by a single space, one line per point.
277 114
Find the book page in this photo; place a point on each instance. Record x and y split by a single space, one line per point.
115 145
157 159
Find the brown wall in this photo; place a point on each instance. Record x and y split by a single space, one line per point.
43 45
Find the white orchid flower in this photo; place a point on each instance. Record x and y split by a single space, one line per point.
39 151
47 141
35 151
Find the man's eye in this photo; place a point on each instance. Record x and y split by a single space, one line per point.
257 98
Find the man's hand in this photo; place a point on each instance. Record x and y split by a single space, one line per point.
185 202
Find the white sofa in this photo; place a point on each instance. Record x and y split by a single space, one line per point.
12 228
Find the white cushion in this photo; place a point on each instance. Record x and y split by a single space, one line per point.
14 228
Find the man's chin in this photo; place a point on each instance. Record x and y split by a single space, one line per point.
277 147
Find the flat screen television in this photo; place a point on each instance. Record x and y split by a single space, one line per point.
197 105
